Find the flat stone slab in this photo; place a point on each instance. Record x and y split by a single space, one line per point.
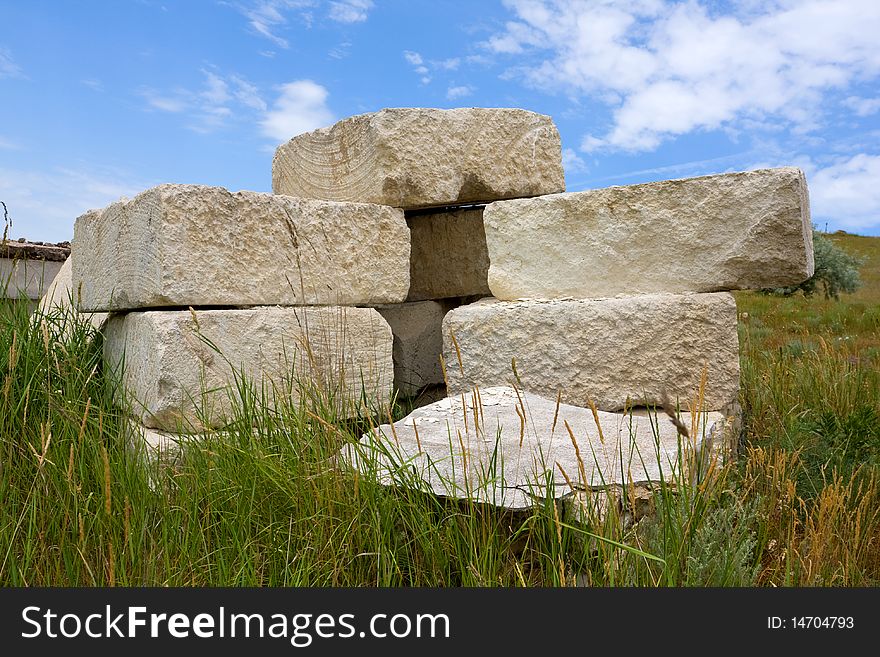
192 245
734 231
506 447
418 343
416 157
60 295
178 365
619 352
448 257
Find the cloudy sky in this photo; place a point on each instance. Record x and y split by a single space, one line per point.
103 99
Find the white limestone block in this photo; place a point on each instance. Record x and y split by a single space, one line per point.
417 157
733 231
192 245
616 352
179 365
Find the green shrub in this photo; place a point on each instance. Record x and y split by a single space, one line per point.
836 271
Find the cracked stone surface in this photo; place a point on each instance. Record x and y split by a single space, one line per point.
503 446
417 157
193 245
616 352
747 230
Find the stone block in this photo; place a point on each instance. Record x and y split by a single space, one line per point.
192 245
416 157
616 352
179 365
733 231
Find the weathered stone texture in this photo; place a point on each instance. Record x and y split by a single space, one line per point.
60 294
502 447
415 157
179 382
617 352
192 245
449 256
746 230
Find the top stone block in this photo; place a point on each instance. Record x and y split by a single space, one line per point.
416 158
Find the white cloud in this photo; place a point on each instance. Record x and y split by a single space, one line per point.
247 94
847 192
454 93
572 162
219 101
669 68
266 17
43 205
216 90
424 67
350 11
93 83
302 106
418 64
163 103
413 58
8 67
863 106
7 144
270 18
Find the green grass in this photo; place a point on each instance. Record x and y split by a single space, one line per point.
266 505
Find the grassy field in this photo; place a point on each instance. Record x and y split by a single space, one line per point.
800 505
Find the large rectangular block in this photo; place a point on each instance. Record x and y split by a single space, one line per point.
415 157
617 352
733 231
178 365
192 245
448 254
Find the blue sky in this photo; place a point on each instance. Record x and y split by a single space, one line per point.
104 99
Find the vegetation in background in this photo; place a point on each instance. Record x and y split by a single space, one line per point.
267 505
836 271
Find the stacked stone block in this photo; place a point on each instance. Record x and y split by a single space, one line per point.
205 284
440 167
396 238
617 296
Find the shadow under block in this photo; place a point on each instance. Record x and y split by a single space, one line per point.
418 343
616 352
192 245
416 157
448 257
178 365
733 231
